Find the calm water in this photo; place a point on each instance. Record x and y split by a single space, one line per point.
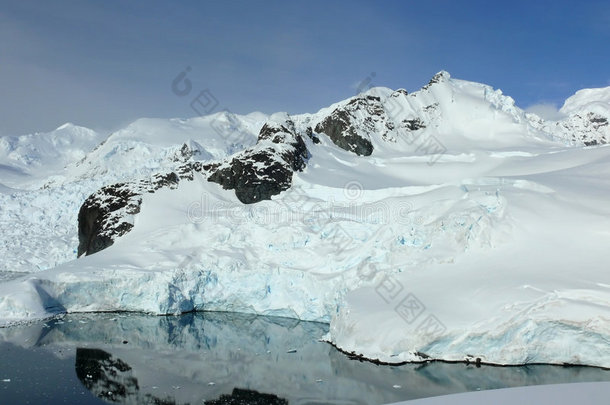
222 358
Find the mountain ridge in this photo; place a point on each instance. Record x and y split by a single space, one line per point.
464 198
361 125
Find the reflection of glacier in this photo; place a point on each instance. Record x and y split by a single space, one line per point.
225 358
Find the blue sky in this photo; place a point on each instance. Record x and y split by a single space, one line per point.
103 64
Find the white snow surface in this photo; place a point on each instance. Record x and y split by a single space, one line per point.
57 171
588 100
26 160
483 235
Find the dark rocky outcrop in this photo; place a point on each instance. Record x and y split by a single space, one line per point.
256 174
399 92
440 77
588 129
103 216
346 131
265 170
97 226
314 138
413 124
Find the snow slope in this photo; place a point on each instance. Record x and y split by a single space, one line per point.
59 170
469 230
588 100
540 296
587 116
28 160
150 145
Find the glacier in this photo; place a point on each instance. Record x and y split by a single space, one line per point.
473 231
203 356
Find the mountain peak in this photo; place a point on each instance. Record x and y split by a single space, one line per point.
65 126
588 100
440 77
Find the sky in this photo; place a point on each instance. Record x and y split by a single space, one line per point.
103 64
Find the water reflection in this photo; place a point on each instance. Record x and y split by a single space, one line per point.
224 358
106 377
112 379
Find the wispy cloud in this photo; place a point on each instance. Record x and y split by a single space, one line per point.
546 111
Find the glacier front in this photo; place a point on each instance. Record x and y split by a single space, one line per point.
443 224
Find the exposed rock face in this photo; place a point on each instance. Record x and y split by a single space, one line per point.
256 174
584 119
413 124
107 213
266 169
348 127
440 77
190 150
99 219
586 128
351 126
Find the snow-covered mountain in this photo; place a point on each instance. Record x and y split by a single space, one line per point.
27 159
40 200
391 215
586 118
148 145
